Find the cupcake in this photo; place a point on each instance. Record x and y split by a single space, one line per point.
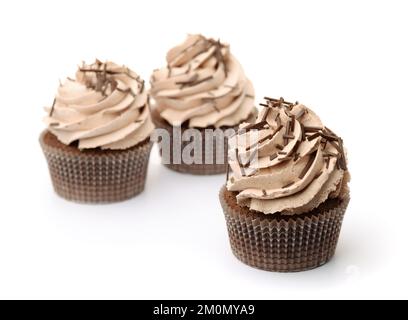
287 189
203 88
97 143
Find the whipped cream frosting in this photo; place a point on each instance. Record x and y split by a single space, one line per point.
288 162
203 85
105 106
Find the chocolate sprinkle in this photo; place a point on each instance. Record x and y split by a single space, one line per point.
255 126
227 170
53 107
302 127
312 129
251 157
292 123
189 81
288 185
313 136
308 166
279 147
273 157
142 86
329 137
264 193
265 115
318 175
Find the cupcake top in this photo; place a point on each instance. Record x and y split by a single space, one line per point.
203 85
105 106
288 162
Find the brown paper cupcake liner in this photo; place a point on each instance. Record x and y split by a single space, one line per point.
283 243
195 168
96 176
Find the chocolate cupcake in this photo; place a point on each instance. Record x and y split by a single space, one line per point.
203 88
286 196
97 143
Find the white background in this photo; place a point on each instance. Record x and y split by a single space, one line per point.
345 59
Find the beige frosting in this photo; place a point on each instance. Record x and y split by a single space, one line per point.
203 85
287 161
105 106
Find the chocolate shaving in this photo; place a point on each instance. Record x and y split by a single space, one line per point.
266 113
308 166
302 128
329 137
189 81
286 140
255 126
288 185
313 136
251 157
343 163
329 154
292 123
269 136
279 147
317 175
324 144
142 86
312 129
53 107
227 170
273 157
264 105
282 153
280 100
289 136
201 81
123 90
218 55
278 120
239 162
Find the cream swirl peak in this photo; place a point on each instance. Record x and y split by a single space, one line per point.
293 164
105 106
203 85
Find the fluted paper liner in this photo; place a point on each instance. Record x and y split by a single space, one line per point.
197 169
96 176
283 243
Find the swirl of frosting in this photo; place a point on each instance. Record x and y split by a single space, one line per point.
203 85
105 106
290 164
